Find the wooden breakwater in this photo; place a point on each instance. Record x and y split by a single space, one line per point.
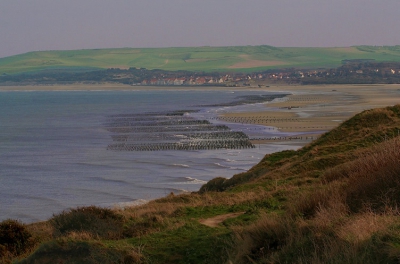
171 131
188 145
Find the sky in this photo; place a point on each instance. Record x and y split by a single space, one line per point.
37 25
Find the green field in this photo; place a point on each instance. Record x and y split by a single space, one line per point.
208 59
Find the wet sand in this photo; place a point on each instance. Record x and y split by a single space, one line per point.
316 109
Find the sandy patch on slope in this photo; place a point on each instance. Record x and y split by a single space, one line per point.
216 220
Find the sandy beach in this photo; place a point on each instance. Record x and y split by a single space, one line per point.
316 109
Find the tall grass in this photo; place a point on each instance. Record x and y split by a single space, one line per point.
352 216
372 180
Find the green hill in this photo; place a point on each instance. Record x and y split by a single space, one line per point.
335 200
239 58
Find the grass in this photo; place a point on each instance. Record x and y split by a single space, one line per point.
352 216
206 59
335 200
190 243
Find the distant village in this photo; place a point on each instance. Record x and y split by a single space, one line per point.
235 79
369 72
351 71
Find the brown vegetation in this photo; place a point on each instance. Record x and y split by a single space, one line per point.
352 216
15 240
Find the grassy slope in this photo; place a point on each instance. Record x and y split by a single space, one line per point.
194 58
333 201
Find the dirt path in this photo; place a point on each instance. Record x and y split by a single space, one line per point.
216 220
166 62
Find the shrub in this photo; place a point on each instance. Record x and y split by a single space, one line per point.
14 238
214 185
220 184
68 251
99 222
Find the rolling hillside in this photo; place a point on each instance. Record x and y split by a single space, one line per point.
235 58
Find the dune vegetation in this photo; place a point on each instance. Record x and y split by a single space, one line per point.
208 59
336 200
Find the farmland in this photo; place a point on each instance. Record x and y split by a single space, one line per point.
207 59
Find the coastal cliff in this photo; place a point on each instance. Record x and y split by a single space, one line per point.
335 200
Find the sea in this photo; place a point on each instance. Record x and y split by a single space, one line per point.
54 151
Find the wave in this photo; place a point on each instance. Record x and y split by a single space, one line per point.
179 191
220 165
189 180
181 165
195 180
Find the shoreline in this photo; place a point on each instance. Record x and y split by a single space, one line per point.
310 110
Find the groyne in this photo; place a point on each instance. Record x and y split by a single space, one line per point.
171 131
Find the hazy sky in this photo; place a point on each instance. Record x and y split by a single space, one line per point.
31 25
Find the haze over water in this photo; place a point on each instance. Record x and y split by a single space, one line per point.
53 150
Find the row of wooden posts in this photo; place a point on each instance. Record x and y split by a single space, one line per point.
190 145
181 136
156 129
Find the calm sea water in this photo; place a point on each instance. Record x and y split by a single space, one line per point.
53 150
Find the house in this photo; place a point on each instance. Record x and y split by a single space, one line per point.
200 80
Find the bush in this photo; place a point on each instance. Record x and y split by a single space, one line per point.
98 222
14 238
68 251
220 184
214 185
